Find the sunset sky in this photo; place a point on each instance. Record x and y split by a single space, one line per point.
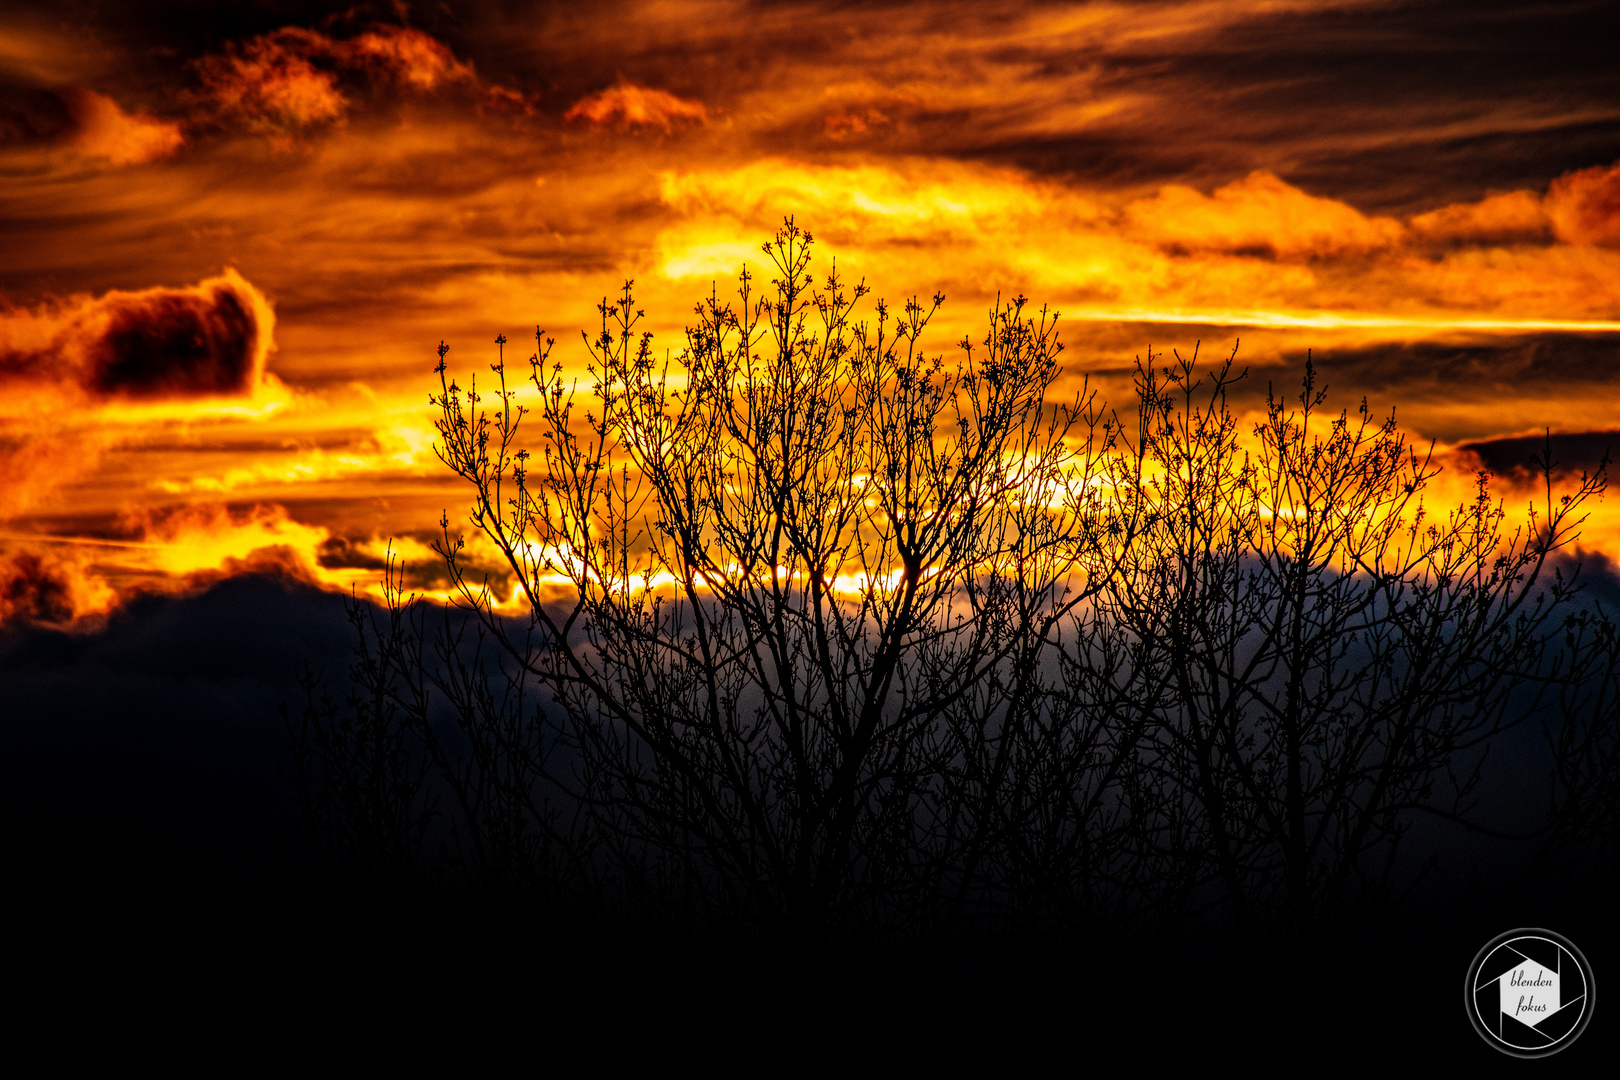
236 234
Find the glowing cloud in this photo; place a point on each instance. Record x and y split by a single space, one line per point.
1513 217
1258 251
1258 213
203 539
630 106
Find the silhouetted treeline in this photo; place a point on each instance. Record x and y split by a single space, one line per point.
831 645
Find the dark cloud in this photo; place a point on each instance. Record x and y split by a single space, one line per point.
140 764
1566 452
210 340
1599 576
178 346
1394 107
31 589
294 78
1474 367
32 115
89 125
1395 110
278 561
342 553
282 70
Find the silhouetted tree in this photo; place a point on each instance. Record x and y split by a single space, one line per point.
824 640
809 582
1324 659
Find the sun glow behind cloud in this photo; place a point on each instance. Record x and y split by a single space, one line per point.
228 278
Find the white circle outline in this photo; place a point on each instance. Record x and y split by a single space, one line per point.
1588 1003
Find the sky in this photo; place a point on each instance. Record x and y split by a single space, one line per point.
235 235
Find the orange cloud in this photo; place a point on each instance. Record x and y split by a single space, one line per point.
628 105
1257 252
404 55
1259 213
172 549
200 544
1581 207
1513 217
290 78
186 548
36 460
85 123
503 99
273 80
1585 206
106 131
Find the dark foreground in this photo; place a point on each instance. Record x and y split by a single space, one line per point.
152 882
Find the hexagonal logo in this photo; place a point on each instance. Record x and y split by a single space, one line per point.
1530 993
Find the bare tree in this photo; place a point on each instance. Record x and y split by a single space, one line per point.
809 573
1330 658
822 639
